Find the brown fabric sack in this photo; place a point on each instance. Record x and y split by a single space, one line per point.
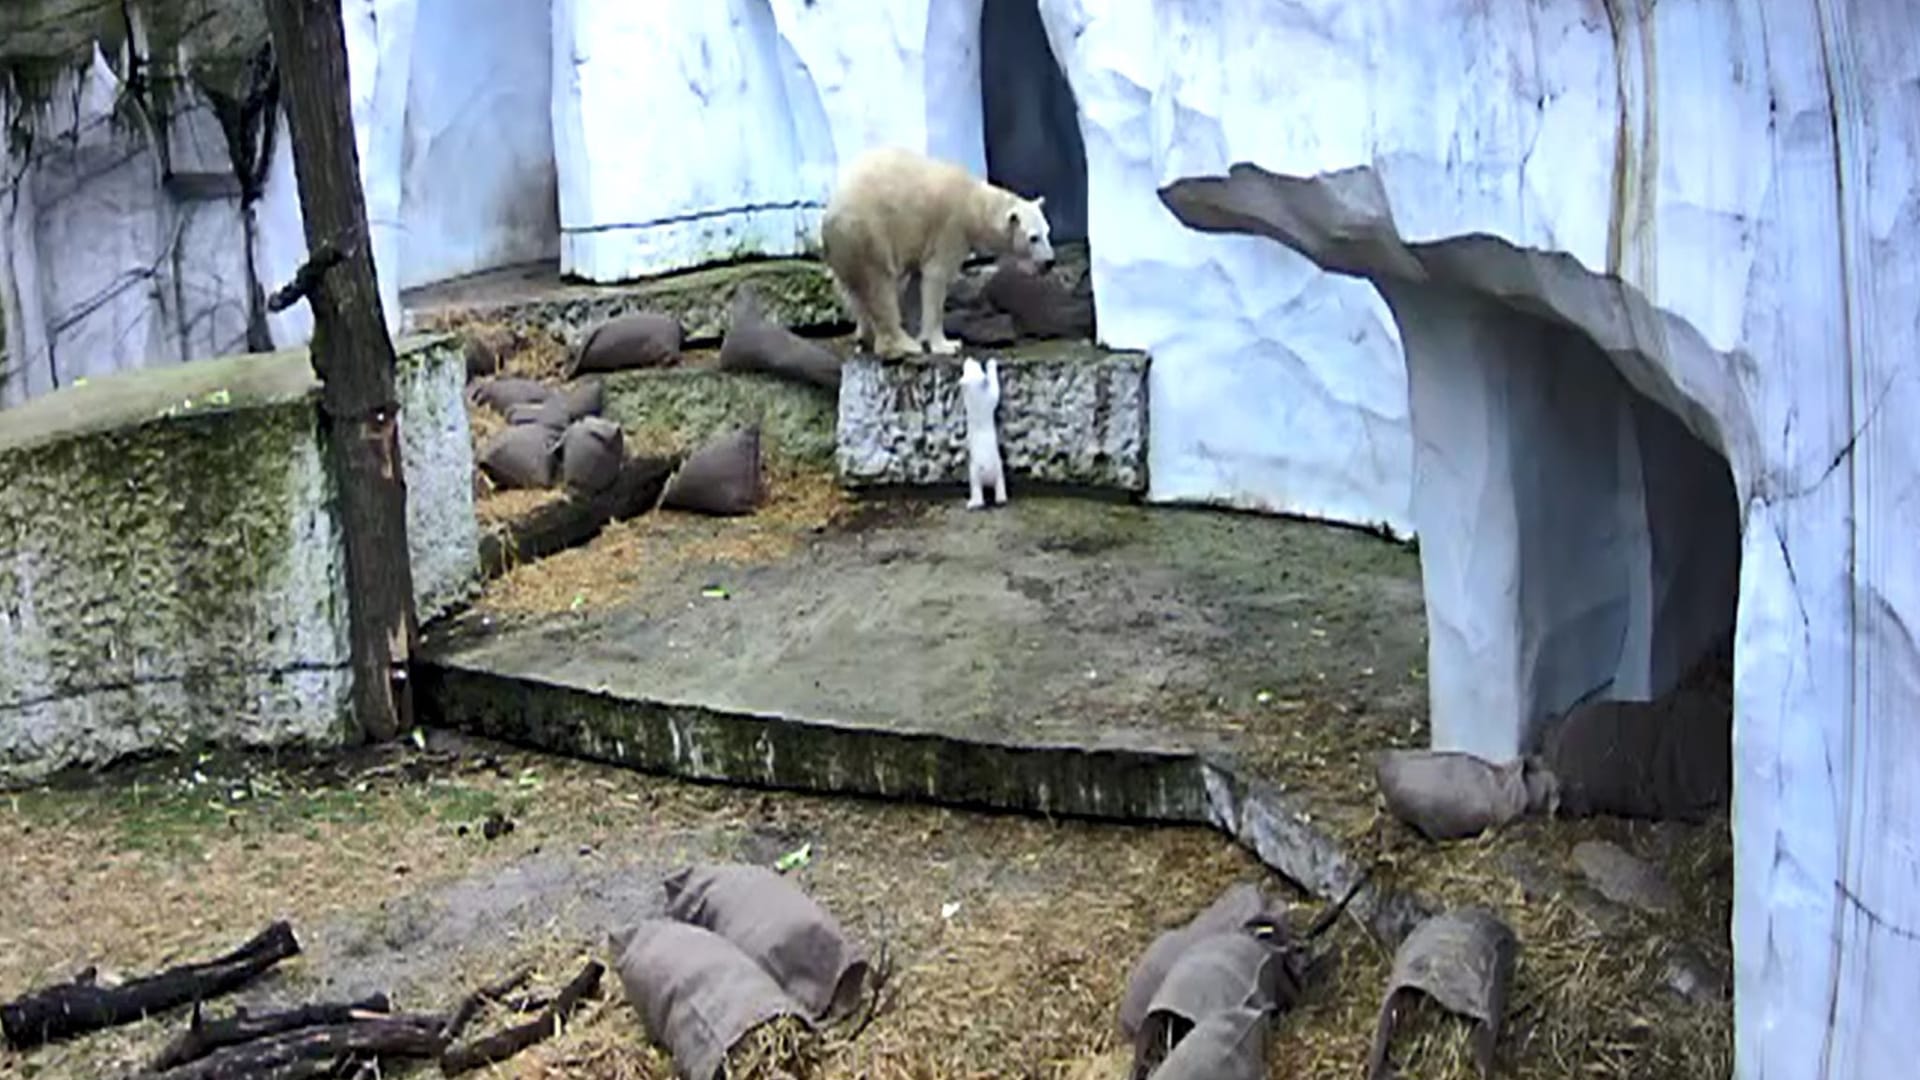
1229 970
1448 795
1041 306
1666 759
586 397
1227 1045
758 344
520 456
503 393
642 339
486 351
551 413
783 929
1463 960
722 477
1237 907
591 451
697 994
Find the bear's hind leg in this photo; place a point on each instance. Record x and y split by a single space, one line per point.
882 295
935 277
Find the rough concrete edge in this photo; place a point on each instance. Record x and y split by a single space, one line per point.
846 469
1186 787
698 297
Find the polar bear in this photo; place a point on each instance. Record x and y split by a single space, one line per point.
980 396
895 211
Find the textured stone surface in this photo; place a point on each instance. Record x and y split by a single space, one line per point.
797 294
677 409
171 571
1069 414
1722 201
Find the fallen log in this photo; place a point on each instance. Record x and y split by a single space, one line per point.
504 1044
204 1037
573 519
315 1051
62 1012
457 1022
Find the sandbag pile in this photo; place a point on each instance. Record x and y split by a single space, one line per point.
1200 998
551 437
738 947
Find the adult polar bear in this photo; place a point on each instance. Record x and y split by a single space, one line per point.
896 211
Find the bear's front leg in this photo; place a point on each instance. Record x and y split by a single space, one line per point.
934 279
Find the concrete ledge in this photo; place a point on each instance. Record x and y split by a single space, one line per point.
798 293
700 743
1070 414
171 567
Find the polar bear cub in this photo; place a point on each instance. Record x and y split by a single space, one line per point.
896 211
980 394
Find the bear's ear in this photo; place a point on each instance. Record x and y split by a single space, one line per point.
1039 202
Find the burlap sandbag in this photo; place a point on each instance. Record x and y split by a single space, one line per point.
1040 304
521 456
722 477
783 929
551 413
486 350
643 339
1229 970
503 393
586 397
697 994
1227 1045
1237 907
591 450
1462 959
1448 795
756 343
1666 759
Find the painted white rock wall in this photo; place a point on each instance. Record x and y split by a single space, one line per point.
478 181
1754 271
685 134
102 269
1275 386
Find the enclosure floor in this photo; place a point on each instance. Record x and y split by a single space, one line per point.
1061 623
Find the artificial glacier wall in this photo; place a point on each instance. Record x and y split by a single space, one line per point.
1723 199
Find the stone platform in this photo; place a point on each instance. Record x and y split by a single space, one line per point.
1070 413
798 293
1061 656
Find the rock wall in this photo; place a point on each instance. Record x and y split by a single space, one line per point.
1069 414
1724 201
171 570
1275 386
126 241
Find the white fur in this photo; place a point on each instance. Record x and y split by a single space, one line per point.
896 211
980 394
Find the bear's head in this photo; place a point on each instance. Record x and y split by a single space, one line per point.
1029 239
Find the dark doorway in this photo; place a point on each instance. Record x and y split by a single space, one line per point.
1032 122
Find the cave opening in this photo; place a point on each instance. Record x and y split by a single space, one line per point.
1032 122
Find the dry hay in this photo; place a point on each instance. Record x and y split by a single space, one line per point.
1021 980
629 555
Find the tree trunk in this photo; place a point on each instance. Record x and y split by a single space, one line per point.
354 359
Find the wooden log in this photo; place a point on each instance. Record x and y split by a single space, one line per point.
204 1037
460 1017
571 520
61 1012
504 1044
315 1051
354 358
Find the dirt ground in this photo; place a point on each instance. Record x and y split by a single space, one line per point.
381 865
